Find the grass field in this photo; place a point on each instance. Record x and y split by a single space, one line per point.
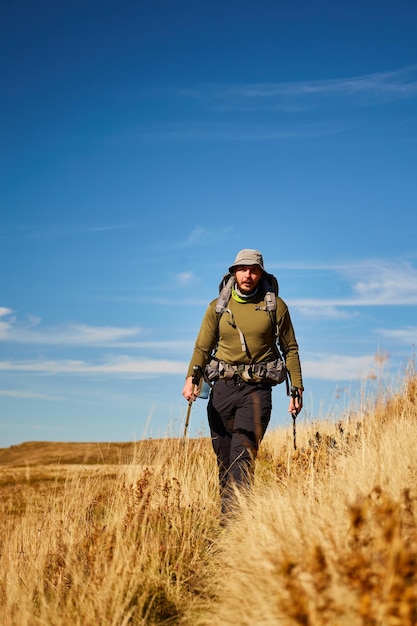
118 534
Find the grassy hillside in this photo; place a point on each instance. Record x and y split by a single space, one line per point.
33 453
128 534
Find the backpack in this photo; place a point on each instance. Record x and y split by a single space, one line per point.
270 288
268 284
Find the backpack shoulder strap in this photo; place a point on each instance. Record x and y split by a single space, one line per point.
225 292
270 288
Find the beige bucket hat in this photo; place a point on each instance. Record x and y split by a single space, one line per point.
247 257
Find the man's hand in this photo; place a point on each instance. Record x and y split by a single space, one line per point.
296 402
190 391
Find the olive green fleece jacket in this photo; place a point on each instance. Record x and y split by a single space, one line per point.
255 324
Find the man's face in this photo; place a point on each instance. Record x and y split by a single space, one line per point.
247 277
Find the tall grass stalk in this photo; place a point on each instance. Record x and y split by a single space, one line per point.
328 534
331 538
115 545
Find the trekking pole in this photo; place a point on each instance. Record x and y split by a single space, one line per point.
196 381
187 419
294 394
294 430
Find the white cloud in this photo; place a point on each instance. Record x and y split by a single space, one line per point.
372 283
385 282
5 326
185 278
407 335
83 334
197 235
27 395
31 333
340 367
65 335
118 366
321 311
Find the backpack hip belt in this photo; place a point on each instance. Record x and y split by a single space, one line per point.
272 372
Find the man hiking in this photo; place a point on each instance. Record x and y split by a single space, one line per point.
239 347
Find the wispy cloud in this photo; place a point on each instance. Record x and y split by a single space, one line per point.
240 131
317 309
295 110
201 236
122 365
31 332
338 367
53 231
406 335
294 96
371 283
197 235
6 325
28 395
185 278
384 282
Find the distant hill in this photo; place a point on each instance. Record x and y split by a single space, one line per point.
51 453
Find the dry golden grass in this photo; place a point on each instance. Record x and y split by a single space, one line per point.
328 535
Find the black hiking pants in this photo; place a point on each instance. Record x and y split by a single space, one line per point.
238 415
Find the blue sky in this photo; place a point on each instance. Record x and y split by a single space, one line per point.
143 144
